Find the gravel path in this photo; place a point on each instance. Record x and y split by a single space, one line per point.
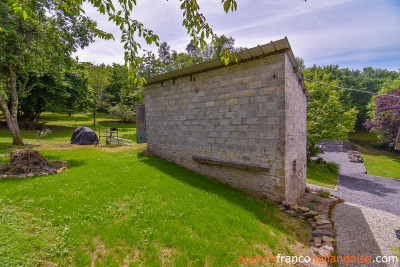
365 223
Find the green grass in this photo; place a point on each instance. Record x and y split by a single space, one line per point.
384 164
377 162
363 135
114 207
318 174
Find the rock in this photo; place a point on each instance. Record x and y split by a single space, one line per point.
328 246
30 174
311 213
302 217
323 252
291 212
310 219
328 239
321 222
355 156
313 225
294 208
304 209
285 204
324 227
322 233
321 217
282 208
317 241
308 190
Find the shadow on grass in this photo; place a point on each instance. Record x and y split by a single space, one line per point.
265 212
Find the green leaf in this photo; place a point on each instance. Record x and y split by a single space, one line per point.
25 14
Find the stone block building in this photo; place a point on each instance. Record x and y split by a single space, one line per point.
243 124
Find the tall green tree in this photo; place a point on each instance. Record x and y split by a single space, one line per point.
24 32
99 79
327 118
34 37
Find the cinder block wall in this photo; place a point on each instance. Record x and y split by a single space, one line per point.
295 135
234 114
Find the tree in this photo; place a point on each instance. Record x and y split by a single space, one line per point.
122 95
385 112
99 79
56 90
23 25
326 116
34 37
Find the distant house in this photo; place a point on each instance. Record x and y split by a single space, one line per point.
243 124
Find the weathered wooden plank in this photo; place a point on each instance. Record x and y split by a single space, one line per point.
141 124
233 164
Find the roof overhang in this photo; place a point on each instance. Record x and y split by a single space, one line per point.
272 48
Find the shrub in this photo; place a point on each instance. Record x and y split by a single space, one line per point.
319 160
323 193
311 206
316 200
332 167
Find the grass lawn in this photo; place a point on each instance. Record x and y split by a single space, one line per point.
318 175
377 162
118 207
382 164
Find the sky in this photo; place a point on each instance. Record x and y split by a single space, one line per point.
349 33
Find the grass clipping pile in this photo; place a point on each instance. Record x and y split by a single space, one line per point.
29 163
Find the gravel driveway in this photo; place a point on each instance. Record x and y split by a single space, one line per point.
365 223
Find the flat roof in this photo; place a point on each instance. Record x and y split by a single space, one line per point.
279 46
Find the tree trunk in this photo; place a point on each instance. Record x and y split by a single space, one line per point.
11 116
12 124
69 113
94 117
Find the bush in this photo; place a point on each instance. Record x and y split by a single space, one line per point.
332 167
311 206
323 193
316 200
319 160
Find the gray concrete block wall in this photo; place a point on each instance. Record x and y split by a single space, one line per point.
236 114
295 135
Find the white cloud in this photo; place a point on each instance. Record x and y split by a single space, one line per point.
320 31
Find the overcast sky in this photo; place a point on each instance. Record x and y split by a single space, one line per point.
350 33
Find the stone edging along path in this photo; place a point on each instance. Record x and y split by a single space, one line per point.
322 239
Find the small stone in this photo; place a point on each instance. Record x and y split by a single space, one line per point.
291 212
317 241
321 233
310 213
302 217
282 208
310 220
328 239
313 225
285 204
328 246
30 174
304 209
321 222
294 208
323 252
325 227
308 190
321 217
